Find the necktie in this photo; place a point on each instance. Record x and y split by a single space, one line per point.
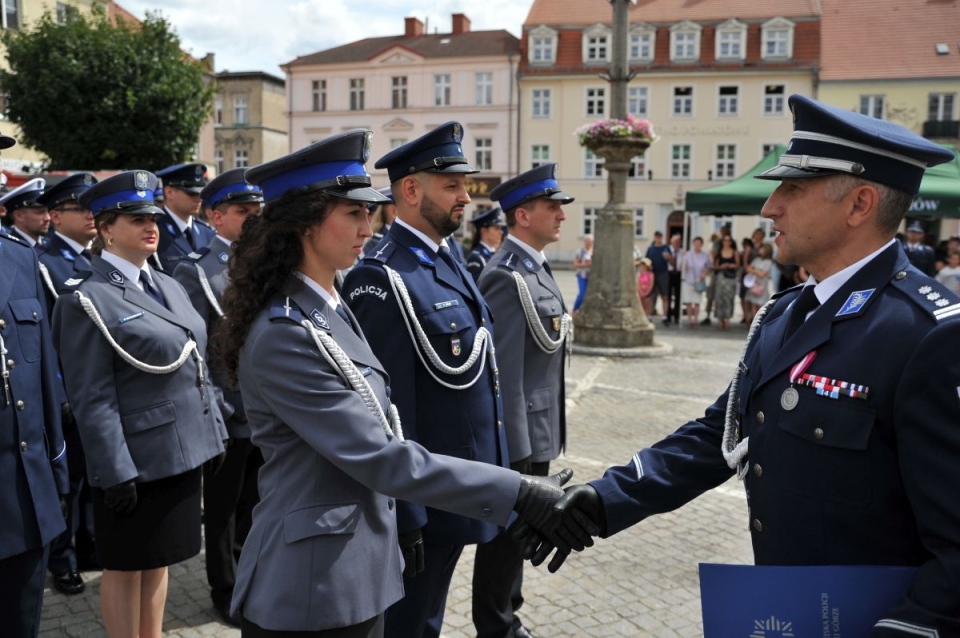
802 305
85 253
188 233
150 289
447 256
343 315
546 266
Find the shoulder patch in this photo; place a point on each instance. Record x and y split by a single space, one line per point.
368 290
67 254
382 252
198 253
928 293
283 309
421 255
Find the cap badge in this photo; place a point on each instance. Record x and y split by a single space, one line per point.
553 171
88 180
457 132
367 141
199 172
140 180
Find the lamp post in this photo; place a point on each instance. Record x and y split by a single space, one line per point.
611 315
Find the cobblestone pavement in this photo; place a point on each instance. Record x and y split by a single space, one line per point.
642 582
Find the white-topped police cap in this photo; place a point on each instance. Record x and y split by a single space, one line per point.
439 151
68 189
24 196
130 193
230 187
915 227
829 140
334 164
540 182
6 141
190 177
487 218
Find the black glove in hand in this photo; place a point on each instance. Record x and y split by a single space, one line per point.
580 511
121 498
536 505
411 546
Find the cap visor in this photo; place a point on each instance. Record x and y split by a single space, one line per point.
453 168
362 194
784 172
193 190
141 210
561 197
6 141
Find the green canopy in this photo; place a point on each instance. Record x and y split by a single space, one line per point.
939 191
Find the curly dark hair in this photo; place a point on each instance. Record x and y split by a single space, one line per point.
269 249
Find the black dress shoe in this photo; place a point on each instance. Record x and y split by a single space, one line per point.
69 583
519 631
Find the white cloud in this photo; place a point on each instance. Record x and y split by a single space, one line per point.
252 35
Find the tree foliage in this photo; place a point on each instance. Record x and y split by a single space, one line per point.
93 95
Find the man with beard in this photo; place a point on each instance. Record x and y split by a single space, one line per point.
427 323
30 219
181 231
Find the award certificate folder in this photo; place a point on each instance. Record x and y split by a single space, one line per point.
748 601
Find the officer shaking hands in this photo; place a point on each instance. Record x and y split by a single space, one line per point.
842 417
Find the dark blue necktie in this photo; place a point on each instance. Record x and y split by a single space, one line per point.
343 315
188 232
150 289
804 303
546 266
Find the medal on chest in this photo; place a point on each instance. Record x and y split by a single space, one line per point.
790 397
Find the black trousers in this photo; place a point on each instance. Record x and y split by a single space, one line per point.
419 614
63 552
673 312
372 628
221 495
21 592
498 575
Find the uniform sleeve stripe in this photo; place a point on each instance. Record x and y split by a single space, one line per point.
639 464
907 628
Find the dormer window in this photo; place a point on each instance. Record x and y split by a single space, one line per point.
685 42
731 40
776 39
596 44
542 48
642 43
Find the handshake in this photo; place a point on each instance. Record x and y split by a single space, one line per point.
551 518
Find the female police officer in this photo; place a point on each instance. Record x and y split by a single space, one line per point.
131 348
322 556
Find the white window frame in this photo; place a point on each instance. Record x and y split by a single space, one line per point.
770 33
483 95
766 148
357 94
588 223
638 166
638 223
725 167
872 100
638 100
483 153
218 111
778 100
542 48
635 48
218 161
397 142
4 13
398 92
539 155
676 163
318 95
241 158
691 50
592 165
596 44
541 103
594 96
736 30
241 109
442 89
674 98
728 103
943 114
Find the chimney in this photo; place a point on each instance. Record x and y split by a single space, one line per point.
412 27
461 24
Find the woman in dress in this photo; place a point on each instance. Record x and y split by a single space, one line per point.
694 270
726 265
758 288
322 556
131 349
581 263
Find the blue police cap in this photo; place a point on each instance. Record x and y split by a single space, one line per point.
6 141
232 188
24 196
439 151
67 190
915 227
130 192
188 177
334 164
490 217
540 182
828 140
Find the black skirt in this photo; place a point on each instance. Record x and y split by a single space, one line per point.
164 529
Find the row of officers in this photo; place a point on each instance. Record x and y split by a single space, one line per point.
409 409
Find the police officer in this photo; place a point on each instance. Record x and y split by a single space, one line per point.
427 322
383 215
843 412
181 231
30 220
532 329
203 274
33 463
487 236
920 254
66 256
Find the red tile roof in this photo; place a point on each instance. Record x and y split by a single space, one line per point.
558 13
436 45
899 42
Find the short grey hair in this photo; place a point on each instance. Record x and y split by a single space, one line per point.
893 203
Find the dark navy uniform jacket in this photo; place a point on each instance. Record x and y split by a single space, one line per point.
173 246
477 259
838 481
33 466
923 257
467 423
62 263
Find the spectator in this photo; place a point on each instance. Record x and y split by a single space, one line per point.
694 271
581 262
657 253
758 286
748 252
645 288
673 312
949 275
726 264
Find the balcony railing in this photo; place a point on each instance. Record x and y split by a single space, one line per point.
942 129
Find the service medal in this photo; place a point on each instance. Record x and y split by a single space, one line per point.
556 323
789 399
455 346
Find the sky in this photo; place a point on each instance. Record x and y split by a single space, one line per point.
260 35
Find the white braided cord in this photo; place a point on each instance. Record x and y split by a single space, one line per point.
208 291
45 275
735 452
540 336
481 343
190 347
348 371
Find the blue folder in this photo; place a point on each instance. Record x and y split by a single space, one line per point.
797 602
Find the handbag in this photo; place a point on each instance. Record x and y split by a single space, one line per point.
758 289
700 286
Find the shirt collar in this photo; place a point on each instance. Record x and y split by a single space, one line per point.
537 256
76 246
224 240
333 300
825 289
128 270
182 225
429 242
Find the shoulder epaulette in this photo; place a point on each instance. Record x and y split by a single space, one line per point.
198 253
8 235
508 260
382 252
197 220
284 309
74 282
928 293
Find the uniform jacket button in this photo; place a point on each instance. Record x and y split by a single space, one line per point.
485 512
21 404
818 434
757 469
35 315
23 446
499 425
3 324
453 326
757 525
389 503
761 417
11 363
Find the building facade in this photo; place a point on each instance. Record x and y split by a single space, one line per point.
250 119
401 87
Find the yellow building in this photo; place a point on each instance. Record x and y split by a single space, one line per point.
250 119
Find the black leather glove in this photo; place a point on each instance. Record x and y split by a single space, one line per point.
121 498
411 546
536 503
581 512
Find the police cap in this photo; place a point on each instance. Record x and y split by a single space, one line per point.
130 193
67 190
439 151
232 188
540 182
190 177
